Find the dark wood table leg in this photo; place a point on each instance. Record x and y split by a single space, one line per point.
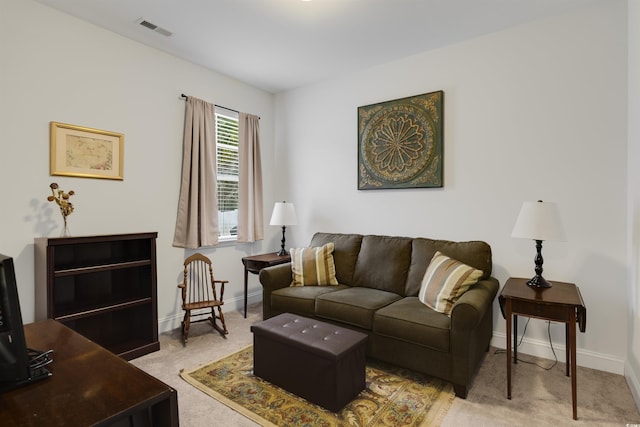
515 338
246 278
509 323
567 341
572 343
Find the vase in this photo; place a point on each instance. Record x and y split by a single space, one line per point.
65 229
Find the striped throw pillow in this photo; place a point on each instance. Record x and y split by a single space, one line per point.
313 266
445 280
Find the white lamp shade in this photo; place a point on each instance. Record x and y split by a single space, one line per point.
283 214
539 221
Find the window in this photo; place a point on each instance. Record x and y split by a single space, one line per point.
227 160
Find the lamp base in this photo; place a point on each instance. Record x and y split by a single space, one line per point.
538 281
282 252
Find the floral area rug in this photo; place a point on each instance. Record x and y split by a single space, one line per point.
392 396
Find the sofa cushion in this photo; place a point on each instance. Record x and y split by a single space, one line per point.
299 300
355 306
345 253
445 280
383 263
313 266
476 254
410 320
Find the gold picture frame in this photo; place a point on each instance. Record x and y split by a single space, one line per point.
85 152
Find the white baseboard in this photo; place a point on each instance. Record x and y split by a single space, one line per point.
585 358
634 385
169 323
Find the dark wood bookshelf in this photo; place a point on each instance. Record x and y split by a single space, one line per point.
103 287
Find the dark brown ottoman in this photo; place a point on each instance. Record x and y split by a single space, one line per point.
320 362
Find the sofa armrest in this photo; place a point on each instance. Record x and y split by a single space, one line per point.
469 310
471 331
271 279
276 277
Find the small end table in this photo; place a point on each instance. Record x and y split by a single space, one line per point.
255 263
560 303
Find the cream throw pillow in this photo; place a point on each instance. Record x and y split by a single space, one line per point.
313 266
445 280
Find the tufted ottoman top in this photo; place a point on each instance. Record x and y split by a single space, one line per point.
317 337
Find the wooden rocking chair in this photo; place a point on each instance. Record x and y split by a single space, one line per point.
199 295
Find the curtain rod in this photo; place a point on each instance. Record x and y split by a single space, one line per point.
220 106
182 95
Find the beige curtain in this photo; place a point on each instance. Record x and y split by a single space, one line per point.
250 215
197 221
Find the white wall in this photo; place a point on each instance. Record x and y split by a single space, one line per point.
632 368
533 112
57 68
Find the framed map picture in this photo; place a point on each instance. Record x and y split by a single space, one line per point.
400 143
85 152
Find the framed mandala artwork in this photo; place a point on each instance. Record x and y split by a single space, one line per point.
400 143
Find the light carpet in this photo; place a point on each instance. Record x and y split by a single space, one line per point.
540 397
393 397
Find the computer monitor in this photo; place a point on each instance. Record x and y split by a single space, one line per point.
18 365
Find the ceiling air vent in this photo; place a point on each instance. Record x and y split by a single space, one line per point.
154 27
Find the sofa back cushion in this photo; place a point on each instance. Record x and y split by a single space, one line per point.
396 264
383 263
475 254
345 253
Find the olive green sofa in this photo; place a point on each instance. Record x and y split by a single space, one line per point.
379 278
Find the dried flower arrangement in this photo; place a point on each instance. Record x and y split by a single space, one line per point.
62 199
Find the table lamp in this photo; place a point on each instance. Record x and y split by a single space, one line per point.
539 221
283 214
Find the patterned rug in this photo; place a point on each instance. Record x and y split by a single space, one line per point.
392 397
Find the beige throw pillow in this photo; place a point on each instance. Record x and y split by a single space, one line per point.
445 280
313 266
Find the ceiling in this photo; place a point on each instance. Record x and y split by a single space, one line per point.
278 45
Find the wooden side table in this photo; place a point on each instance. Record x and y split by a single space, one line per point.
255 263
560 303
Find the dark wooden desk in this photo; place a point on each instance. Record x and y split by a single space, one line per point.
255 263
89 386
560 303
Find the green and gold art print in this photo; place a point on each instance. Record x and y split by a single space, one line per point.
400 143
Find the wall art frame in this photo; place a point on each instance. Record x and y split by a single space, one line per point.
400 143
84 152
